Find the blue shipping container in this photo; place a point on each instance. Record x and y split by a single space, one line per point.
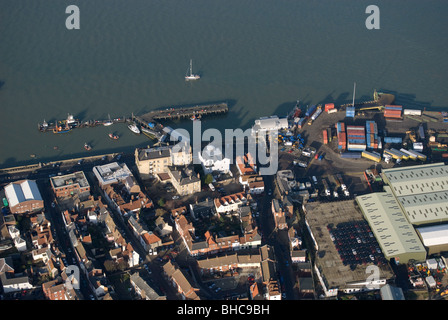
351 155
393 140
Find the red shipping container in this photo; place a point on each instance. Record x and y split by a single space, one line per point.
329 106
444 155
324 132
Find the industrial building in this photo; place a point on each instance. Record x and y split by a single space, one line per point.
421 191
333 273
396 236
23 196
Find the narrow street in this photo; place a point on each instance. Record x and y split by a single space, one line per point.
278 239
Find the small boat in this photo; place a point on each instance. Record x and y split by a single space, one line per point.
60 129
87 146
113 136
190 75
133 127
108 122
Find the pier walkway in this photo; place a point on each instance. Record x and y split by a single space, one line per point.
183 112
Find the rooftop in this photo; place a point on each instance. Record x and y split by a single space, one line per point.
393 231
21 191
69 179
336 275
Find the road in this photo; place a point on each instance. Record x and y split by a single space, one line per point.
277 239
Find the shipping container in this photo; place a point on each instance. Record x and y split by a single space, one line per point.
310 111
421 132
351 155
316 114
329 106
329 134
391 107
332 110
325 136
356 147
350 112
412 112
444 155
397 140
395 155
410 155
419 155
300 123
418 146
371 155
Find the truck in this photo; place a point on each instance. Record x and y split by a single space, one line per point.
326 187
342 185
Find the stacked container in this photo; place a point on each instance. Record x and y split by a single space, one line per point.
350 112
393 112
325 136
372 135
342 138
356 138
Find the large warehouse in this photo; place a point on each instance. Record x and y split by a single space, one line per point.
24 196
395 235
422 191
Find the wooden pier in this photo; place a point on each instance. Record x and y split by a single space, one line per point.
197 111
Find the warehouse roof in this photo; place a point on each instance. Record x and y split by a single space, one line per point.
412 180
394 233
421 190
21 191
434 235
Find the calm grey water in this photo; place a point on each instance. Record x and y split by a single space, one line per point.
261 56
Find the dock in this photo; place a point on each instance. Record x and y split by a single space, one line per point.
197 111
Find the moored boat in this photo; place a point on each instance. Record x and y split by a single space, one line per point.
133 127
190 75
87 146
113 136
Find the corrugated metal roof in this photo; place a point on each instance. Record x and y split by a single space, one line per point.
393 231
434 235
22 191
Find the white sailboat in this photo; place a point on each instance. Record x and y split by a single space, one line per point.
108 122
191 76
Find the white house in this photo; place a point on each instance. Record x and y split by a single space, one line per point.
230 203
11 283
19 243
212 160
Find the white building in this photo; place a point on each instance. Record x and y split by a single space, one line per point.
111 173
19 243
14 283
212 159
269 124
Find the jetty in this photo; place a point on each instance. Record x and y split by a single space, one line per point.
197 111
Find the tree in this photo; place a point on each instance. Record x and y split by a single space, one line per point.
208 179
161 202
